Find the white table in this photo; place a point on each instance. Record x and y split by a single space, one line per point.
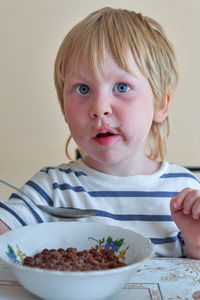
157 279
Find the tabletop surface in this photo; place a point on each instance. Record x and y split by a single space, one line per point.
157 279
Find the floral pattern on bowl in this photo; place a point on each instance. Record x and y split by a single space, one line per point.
15 257
110 244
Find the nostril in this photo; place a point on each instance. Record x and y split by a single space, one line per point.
106 113
99 115
100 111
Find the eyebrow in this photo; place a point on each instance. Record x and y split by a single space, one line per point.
78 80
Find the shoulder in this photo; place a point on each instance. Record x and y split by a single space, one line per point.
177 173
49 176
177 170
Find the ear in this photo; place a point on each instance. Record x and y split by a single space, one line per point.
162 114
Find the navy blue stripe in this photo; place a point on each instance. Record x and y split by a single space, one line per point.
66 186
133 217
162 194
78 189
14 195
130 217
66 171
179 175
40 191
167 240
13 213
79 173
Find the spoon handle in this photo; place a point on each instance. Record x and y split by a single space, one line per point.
15 188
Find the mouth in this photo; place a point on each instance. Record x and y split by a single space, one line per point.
105 134
105 137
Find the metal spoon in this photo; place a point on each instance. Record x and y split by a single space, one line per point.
60 212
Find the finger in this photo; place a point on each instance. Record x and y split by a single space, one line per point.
190 200
196 209
176 202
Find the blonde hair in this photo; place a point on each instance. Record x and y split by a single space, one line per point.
117 30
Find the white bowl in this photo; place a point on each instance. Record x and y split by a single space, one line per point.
81 285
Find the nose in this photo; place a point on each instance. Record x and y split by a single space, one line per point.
100 107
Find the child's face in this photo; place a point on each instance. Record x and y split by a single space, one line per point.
109 117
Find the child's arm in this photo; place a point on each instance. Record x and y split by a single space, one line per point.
3 227
185 210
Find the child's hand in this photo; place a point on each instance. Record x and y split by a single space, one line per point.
185 210
188 201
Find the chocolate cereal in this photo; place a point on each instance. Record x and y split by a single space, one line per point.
71 259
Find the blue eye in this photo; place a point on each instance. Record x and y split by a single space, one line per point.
83 89
121 88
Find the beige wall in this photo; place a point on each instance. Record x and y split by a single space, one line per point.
32 129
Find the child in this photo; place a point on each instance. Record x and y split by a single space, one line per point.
115 74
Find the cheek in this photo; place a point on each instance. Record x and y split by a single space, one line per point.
138 117
74 117
69 111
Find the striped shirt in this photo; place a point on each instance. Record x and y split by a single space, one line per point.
139 203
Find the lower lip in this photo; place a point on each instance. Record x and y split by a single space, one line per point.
106 140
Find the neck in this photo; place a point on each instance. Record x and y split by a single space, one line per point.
127 167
